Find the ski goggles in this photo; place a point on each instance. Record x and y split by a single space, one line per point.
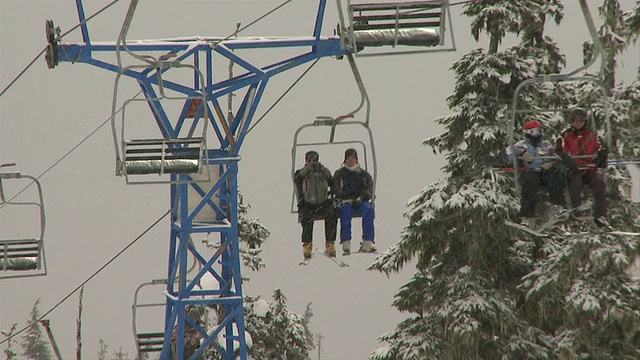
533 131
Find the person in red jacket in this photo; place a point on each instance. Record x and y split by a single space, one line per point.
588 156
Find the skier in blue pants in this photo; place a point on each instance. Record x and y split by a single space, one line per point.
353 189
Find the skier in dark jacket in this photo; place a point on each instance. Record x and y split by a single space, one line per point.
353 188
538 167
589 156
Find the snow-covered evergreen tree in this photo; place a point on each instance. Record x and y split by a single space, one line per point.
251 234
483 290
277 333
34 344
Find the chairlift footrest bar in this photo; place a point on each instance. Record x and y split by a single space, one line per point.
21 255
163 156
398 23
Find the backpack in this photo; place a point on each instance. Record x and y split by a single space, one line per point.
315 188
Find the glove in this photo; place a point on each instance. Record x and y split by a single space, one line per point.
569 162
527 156
547 165
601 157
356 202
559 148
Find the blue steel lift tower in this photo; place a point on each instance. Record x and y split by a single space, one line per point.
202 176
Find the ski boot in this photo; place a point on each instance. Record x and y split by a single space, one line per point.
330 248
307 250
367 246
346 247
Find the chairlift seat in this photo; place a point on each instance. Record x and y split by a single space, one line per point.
163 156
399 23
21 254
150 342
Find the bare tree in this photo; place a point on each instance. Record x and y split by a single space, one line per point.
79 326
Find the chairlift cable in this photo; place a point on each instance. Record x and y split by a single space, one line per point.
66 154
237 31
283 95
102 10
23 71
88 279
45 48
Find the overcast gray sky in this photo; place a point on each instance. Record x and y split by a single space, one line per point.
92 214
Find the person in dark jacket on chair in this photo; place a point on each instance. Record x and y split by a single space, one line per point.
353 189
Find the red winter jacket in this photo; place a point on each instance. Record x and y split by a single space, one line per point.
581 142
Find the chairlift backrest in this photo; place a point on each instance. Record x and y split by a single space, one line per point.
22 256
400 23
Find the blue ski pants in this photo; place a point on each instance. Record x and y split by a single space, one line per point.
347 212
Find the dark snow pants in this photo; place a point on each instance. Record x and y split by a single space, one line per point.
309 213
596 182
530 181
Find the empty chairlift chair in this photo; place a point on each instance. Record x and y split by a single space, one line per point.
415 24
170 154
22 256
148 341
166 155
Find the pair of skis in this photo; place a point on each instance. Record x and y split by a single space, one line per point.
564 216
333 258
539 231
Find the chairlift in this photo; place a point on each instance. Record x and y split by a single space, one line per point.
148 341
322 122
366 148
563 78
23 256
170 154
417 24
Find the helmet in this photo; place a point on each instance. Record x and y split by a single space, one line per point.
533 128
577 112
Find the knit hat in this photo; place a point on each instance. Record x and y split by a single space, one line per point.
350 152
311 154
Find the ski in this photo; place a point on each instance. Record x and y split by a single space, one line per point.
306 261
624 233
563 216
334 259
539 231
604 232
363 252
524 228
